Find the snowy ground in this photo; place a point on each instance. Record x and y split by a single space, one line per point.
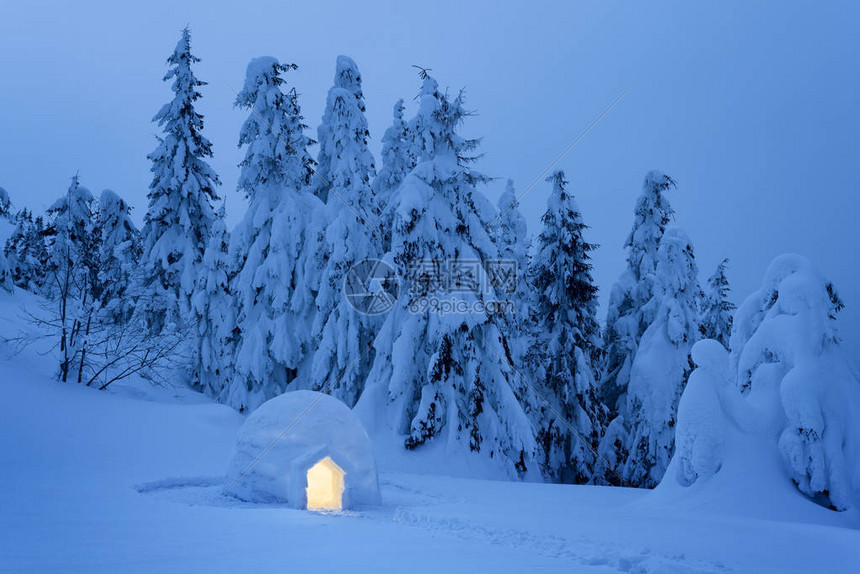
131 481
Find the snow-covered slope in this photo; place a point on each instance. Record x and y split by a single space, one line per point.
130 481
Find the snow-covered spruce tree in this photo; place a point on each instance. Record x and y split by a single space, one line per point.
565 340
27 251
341 334
508 229
72 282
16 249
715 313
5 204
180 213
274 247
6 281
510 233
346 78
118 257
398 159
662 364
445 378
213 304
629 313
785 404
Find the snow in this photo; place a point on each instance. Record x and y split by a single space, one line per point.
131 481
259 68
295 431
782 408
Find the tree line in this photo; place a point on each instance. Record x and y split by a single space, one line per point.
244 315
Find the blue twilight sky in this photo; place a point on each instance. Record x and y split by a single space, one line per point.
751 107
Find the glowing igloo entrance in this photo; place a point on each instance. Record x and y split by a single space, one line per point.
325 486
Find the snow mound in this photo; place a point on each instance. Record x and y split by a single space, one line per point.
784 406
293 432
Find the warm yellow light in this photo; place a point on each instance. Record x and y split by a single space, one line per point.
325 486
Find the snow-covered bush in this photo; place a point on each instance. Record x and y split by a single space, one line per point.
786 384
700 433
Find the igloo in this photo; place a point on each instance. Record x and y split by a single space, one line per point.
319 455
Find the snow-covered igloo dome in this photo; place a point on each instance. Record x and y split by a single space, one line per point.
320 455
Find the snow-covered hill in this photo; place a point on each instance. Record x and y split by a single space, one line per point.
131 481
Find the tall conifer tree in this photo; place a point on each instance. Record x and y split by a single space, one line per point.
629 315
212 356
398 159
566 345
444 377
716 309
662 364
179 217
274 283
342 334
